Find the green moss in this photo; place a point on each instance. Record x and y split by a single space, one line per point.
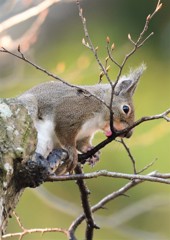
2 130
28 131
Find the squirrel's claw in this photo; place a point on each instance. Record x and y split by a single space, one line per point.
94 158
56 158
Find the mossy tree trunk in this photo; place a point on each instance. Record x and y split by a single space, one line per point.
17 145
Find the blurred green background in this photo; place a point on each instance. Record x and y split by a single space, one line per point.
145 213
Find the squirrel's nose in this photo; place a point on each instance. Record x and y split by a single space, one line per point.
128 134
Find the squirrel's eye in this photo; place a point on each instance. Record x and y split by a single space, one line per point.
126 109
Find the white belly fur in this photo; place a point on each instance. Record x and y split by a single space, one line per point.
90 127
46 137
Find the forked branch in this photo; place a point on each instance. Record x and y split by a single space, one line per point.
164 115
25 231
104 69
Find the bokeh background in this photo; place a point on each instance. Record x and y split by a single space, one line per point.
56 46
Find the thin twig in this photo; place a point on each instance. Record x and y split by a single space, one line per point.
21 56
18 221
130 155
110 55
139 43
36 230
88 43
147 166
30 231
149 17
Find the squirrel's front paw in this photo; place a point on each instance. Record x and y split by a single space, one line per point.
56 158
94 158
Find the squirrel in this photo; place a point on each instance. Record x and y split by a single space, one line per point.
68 117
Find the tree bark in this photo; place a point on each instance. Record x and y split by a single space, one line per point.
17 145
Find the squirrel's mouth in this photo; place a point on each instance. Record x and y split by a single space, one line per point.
108 133
126 135
118 126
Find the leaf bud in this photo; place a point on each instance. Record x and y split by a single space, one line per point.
108 40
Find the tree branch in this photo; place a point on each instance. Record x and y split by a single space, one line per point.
108 198
86 206
30 231
151 177
130 155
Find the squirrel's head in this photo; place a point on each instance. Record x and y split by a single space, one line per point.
122 106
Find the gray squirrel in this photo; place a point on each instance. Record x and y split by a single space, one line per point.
65 117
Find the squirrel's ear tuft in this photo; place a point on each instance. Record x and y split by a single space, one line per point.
127 84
